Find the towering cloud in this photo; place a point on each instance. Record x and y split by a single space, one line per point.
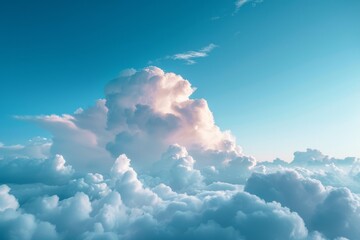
148 162
143 113
151 110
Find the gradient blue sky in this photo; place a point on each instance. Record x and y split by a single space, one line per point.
284 77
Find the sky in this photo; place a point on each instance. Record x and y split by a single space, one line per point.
281 75
160 120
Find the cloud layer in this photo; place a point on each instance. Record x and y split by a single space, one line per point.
149 162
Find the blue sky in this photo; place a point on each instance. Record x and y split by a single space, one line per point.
285 75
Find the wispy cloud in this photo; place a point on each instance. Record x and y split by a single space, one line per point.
215 18
189 56
240 3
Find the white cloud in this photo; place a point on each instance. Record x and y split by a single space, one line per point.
176 169
16 225
240 3
151 110
126 181
329 171
185 180
35 148
7 201
171 216
189 56
53 170
148 110
80 138
335 212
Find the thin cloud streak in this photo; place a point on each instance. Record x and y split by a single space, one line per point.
189 56
240 3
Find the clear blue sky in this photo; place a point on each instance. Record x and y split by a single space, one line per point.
285 75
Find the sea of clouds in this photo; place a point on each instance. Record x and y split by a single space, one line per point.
149 162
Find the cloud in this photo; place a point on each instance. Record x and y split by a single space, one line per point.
314 164
189 56
80 138
53 170
315 157
149 110
128 209
16 225
176 169
335 212
35 148
149 162
126 181
7 201
132 211
240 3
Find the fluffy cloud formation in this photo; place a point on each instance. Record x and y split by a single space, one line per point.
7 201
149 162
75 136
50 171
335 212
176 169
35 148
17 225
329 171
148 110
131 211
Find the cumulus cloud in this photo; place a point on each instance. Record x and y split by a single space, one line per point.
315 157
126 181
17 225
7 201
53 170
149 162
148 110
77 136
189 56
132 211
328 170
35 148
151 109
176 169
335 212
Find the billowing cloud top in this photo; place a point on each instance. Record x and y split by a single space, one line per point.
148 110
149 162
